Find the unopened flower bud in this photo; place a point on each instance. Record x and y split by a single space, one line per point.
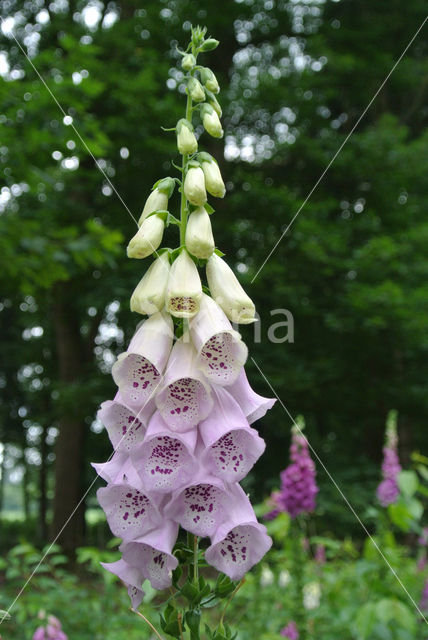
186 140
210 44
211 121
188 62
228 293
209 80
194 186
199 235
149 294
213 181
212 100
147 239
195 90
157 201
184 290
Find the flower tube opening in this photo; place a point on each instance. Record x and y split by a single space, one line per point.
165 460
152 555
185 398
138 371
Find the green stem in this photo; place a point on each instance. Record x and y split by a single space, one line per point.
196 558
183 207
298 565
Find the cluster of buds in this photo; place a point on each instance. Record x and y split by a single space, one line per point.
180 423
388 489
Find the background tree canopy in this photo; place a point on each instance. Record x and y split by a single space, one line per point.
352 270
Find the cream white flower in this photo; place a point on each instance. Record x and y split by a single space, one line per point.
157 201
184 290
186 139
267 577
213 181
228 293
195 90
209 80
311 595
211 121
188 62
199 234
194 186
147 239
149 294
284 578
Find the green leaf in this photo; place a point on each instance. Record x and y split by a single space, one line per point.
408 482
366 620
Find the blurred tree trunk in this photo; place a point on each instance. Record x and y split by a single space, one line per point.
43 503
2 478
25 495
68 514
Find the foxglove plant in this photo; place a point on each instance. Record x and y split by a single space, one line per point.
180 421
297 498
298 484
388 490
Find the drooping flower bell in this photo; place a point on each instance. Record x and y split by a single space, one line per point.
213 180
211 121
209 80
199 235
148 237
194 186
186 139
195 90
151 553
221 352
149 294
138 371
184 289
158 199
388 490
185 398
228 293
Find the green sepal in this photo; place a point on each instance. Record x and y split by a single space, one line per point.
212 100
203 156
208 208
169 621
175 253
170 219
178 572
166 185
224 586
193 164
219 253
161 213
190 591
183 122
